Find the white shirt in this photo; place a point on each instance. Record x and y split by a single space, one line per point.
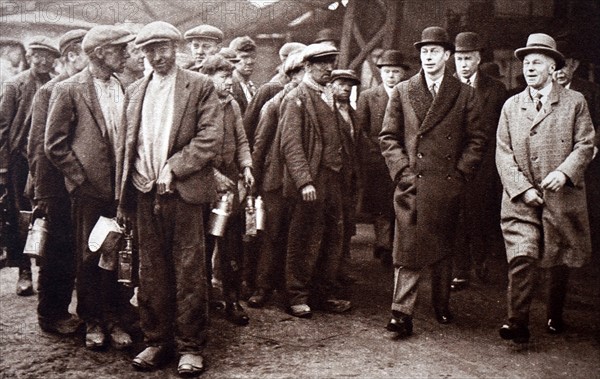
437 82
388 90
544 91
472 79
155 130
110 97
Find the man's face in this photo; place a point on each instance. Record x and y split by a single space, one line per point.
391 75
467 63
41 61
341 89
246 64
433 59
538 70
78 60
203 47
223 82
135 62
565 74
320 71
114 57
161 56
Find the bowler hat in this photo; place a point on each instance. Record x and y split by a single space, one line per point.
392 58
319 50
345 74
467 41
102 35
70 38
244 44
325 35
542 44
205 32
157 31
434 35
491 69
43 43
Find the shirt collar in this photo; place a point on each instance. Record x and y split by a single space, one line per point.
437 82
169 75
388 90
544 91
472 79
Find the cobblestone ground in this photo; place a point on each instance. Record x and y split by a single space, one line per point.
353 345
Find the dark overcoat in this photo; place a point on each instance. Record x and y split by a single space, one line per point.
378 187
252 114
194 142
431 146
530 145
76 139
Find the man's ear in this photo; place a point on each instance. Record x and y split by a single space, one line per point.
99 52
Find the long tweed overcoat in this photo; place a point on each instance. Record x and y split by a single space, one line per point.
431 146
530 145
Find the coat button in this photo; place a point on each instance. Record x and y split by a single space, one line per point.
448 157
419 155
532 134
449 177
420 136
449 136
533 159
419 175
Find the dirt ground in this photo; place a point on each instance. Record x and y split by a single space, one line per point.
353 345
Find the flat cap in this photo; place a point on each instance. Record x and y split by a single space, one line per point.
229 54
157 31
206 32
43 43
293 61
242 44
319 50
102 35
289 47
70 38
345 74
467 41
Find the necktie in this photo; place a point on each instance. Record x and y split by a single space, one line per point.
433 90
469 81
538 102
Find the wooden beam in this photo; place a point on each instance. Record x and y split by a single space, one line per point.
362 44
346 35
390 24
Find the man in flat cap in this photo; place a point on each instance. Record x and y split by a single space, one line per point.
432 144
481 211
379 188
134 66
316 162
243 89
268 168
544 145
171 133
204 41
81 135
57 273
284 51
15 121
341 84
591 91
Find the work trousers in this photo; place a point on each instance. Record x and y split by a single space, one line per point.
100 298
315 242
523 281
57 270
173 293
383 225
270 272
406 285
16 202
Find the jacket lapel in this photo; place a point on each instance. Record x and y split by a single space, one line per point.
419 95
182 96
443 102
91 100
133 132
548 106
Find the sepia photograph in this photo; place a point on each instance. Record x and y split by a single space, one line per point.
299 189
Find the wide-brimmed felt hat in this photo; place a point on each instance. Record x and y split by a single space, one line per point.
467 41
157 31
344 74
204 32
70 38
102 35
43 43
434 35
542 44
392 58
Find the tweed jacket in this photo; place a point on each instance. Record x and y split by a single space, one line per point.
530 145
431 146
76 139
195 139
48 181
234 153
591 92
15 114
252 115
